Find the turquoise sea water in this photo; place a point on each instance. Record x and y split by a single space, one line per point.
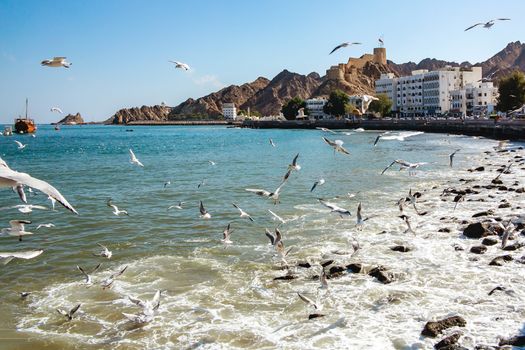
217 296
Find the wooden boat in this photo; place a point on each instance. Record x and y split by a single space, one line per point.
25 125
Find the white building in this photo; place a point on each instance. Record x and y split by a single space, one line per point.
229 111
424 92
474 99
315 108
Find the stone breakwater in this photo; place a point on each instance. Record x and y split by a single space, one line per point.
508 129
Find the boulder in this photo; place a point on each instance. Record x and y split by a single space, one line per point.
504 205
500 260
488 241
478 249
448 341
354 267
518 340
433 329
306 265
400 248
514 246
483 213
285 278
444 229
475 230
382 274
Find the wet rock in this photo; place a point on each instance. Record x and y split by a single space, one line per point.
445 229
503 188
354 267
475 230
285 278
312 316
432 329
504 205
514 341
514 246
382 274
478 249
445 343
488 241
476 186
334 270
520 190
497 182
483 213
500 260
326 263
486 347
306 265
480 168
457 247
400 248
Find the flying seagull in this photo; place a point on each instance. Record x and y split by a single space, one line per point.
263 193
360 221
457 199
180 65
56 109
133 159
488 24
272 143
20 144
294 165
88 275
277 217
69 314
335 209
56 62
25 208
243 213
17 229
204 213
366 100
337 145
116 210
108 282
405 165
28 254
451 156
178 206
45 225
407 222
307 300
105 252
226 235
167 183
343 45
148 309
319 182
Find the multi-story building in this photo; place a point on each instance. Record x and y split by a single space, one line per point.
424 92
315 108
229 111
474 99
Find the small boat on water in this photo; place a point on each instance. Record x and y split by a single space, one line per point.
25 125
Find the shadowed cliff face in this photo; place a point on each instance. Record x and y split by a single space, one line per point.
72 119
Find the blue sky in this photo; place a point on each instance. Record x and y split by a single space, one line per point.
120 48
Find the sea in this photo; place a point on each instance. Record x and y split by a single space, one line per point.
225 296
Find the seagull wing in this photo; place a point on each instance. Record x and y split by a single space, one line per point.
20 144
294 161
259 192
331 143
388 167
307 300
277 216
73 310
475 25
503 19
269 235
377 139
202 209
29 254
338 47
18 225
137 302
155 302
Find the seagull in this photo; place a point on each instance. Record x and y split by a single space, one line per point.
272 195
17 229
180 65
108 282
457 199
116 210
226 235
25 208
405 165
53 201
488 24
179 206
45 225
287 175
56 62
294 165
506 234
202 183
277 217
319 182
86 275
69 314
28 254
360 220
412 199
343 45
105 252
148 309
204 213
335 209
24 295
323 279
20 144
167 183
405 219
308 300
377 139
274 238
212 162
337 145
243 213
133 159
272 143
451 156
56 109
366 101
326 130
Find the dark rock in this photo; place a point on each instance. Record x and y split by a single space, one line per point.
306 265
400 248
475 230
483 213
312 316
520 190
497 182
488 241
448 341
500 260
476 186
503 188
453 347
464 222
457 247
480 168
514 341
354 267
478 249
514 246
326 263
445 229
504 205
432 329
382 274
337 269
285 277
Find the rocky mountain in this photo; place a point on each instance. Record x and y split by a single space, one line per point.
71 119
211 105
144 113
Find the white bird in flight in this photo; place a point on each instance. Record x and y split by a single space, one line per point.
116 210
178 206
335 209
25 208
69 314
56 62
17 229
148 309
243 213
294 165
108 282
29 254
181 65
133 158
226 235
56 109
45 225
14 179
20 144
366 100
319 182
343 45
204 212
272 143
105 252
337 145
263 193
280 219
88 275
488 24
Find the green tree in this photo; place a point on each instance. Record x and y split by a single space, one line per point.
511 92
291 107
383 106
337 103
